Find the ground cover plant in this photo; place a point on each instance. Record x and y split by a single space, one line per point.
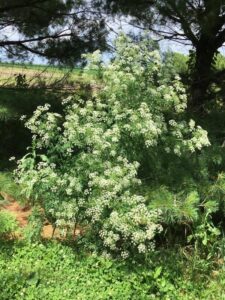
25 273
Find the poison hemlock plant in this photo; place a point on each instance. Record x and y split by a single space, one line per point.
83 165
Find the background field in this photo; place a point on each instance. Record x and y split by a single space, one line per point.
41 75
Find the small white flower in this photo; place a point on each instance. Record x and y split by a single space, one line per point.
23 117
142 248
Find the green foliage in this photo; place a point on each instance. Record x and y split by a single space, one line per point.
15 103
8 186
53 271
8 224
205 238
32 232
175 208
220 62
83 165
35 271
179 63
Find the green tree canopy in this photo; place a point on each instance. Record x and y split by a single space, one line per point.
57 29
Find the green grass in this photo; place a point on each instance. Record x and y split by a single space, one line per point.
39 67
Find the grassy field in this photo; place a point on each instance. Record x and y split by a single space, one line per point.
41 75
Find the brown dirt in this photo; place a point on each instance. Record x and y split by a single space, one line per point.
47 233
22 214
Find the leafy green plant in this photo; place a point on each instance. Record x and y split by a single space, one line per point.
175 207
205 237
9 187
34 272
8 224
54 271
32 232
83 165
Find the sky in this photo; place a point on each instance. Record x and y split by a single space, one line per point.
117 26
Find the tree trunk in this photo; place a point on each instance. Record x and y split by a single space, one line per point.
202 75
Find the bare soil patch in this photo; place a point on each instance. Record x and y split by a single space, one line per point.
22 214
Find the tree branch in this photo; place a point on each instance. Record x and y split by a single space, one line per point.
37 39
19 6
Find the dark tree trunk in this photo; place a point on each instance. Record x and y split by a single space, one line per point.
202 75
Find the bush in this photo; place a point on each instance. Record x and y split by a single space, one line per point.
84 164
8 186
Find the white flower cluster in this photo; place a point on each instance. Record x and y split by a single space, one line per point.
86 175
43 126
132 228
